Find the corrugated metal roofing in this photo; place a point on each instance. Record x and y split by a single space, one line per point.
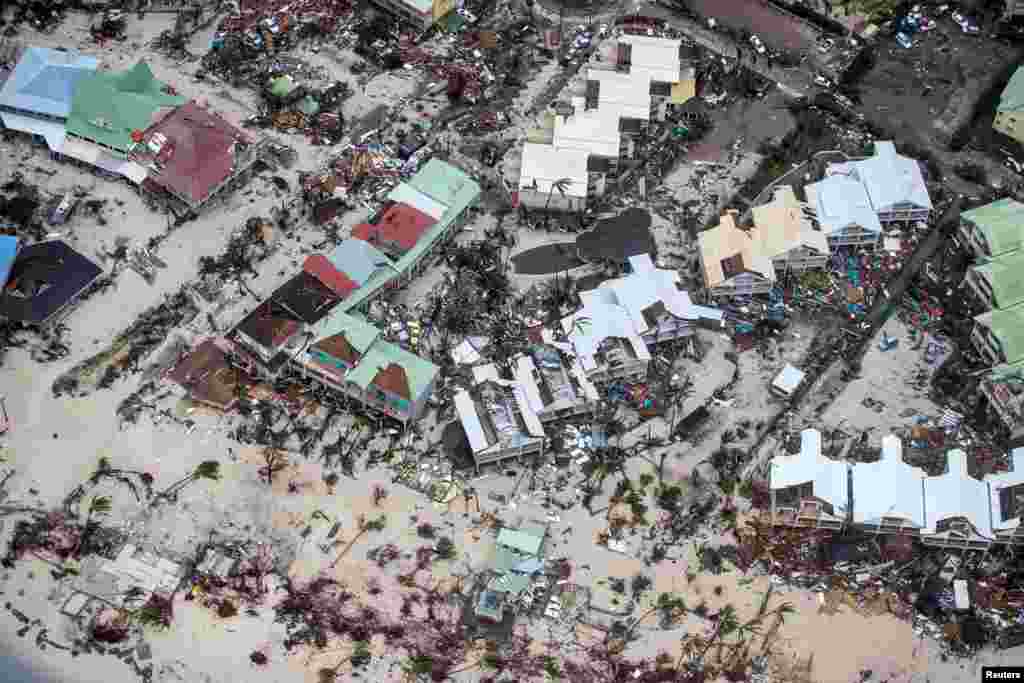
400 225
465 408
1002 224
44 81
108 106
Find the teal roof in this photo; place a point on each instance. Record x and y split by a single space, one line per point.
446 184
513 584
521 540
1012 98
1005 274
1007 325
505 559
359 333
108 105
419 372
1002 224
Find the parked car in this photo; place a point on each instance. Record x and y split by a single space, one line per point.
826 44
823 81
904 40
758 45
62 212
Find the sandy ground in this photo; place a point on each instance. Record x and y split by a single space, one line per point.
55 443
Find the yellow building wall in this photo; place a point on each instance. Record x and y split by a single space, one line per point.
1011 124
442 8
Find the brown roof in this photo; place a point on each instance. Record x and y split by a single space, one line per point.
207 375
338 347
269 325
393 380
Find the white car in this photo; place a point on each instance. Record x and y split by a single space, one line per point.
826 45
758 45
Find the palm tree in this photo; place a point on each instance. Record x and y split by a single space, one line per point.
275 461
208 469
99 506
562 184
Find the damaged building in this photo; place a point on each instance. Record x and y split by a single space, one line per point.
950 510
347 354
611 333
193 155
37 96
498 419
785 238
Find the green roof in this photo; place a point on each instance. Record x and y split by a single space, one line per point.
108 106
1006 276
1012 98
1002 224
282 86
1007 325
446 184
381 354
526 542
359 333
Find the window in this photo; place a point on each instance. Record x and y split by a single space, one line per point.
1011 502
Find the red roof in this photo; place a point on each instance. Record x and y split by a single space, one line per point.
198 154
323 270
399 227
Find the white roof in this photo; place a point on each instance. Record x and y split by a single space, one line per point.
788 379
996 482
888 487
646 286
599 319
891 179
957 494
594 132
543 165
468 351
655 58
828 476
841 201
627 95
407 194
466 410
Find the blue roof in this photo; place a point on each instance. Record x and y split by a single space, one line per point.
44 81
358 260
8 250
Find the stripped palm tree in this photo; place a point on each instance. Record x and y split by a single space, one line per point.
99 506
208 469
562 184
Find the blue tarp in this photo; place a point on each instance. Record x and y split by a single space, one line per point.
8 250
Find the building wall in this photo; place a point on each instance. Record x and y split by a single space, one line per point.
903 214
533 199
635 369
853 236
532 447
407 13
743 284
799 260
1010 123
